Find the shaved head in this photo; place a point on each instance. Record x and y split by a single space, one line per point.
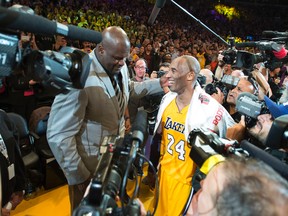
113 50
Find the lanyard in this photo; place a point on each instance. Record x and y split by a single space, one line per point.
3 148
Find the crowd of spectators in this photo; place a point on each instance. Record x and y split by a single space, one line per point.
173 34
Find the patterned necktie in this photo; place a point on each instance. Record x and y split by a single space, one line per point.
118 93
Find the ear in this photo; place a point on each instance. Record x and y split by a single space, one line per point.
100 49
190 76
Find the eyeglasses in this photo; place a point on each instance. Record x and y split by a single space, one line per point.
140 67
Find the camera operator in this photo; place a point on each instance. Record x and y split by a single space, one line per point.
264 130
245 84
235 187
274 80
22 86
218 89
12 167
80 118
185 107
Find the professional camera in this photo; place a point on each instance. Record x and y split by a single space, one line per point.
117 156
242 59
66 69
108 177
227 83
211 88
248 105
270 53
207 149
229 56
160 73
201 79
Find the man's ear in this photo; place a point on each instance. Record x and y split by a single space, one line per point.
190 75
100 49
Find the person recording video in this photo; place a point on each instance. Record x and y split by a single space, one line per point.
240 186
244 85
81 118
267 129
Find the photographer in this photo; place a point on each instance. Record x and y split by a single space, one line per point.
218 89
265 130
235 187
244 85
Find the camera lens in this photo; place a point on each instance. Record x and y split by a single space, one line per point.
250 122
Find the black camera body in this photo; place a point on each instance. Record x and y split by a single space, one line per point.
107 181
8 53
227 83
201 79
160 73
207 149
63 70
249 106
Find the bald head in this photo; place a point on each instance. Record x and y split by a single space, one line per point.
237 73
115 36
113 50
208 74
188 63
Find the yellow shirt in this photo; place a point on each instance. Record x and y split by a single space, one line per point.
174 149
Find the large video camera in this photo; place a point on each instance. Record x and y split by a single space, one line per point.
226 83
248 105
110 177
208 149
271 53
66 69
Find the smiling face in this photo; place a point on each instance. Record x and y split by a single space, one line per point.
180 75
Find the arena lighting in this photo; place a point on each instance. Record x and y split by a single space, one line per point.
228 12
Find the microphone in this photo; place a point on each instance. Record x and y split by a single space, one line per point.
270 160
14 20
274 34
139 129
156 9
